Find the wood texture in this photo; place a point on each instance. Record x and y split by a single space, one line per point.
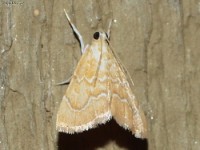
158 42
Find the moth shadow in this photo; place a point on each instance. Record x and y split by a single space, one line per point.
100 137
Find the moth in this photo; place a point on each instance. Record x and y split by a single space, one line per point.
99 90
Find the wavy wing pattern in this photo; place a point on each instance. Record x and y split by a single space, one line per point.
99 90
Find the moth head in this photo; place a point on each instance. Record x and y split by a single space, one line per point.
100 35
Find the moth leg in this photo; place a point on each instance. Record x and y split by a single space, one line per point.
76 32
65 81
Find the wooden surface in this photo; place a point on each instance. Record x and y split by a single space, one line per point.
157 41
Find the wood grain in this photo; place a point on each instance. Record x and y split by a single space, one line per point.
157 41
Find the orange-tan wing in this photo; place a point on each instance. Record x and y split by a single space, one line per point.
86 101
125 109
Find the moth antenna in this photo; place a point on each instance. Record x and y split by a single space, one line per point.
122 66
76 32
109 28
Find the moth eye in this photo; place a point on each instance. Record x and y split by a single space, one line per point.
96 35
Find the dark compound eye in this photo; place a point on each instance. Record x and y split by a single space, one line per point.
96 35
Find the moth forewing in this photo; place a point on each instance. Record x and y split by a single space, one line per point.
124 107
86 102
